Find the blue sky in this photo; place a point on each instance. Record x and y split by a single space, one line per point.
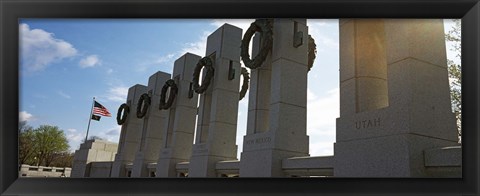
65 63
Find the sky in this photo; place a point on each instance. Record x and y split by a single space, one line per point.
65 63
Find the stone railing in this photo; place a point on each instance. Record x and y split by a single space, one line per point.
40 171
441 162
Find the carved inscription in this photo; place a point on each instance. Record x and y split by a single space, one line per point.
365 124
258 141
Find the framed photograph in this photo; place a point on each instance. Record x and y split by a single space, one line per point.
47 31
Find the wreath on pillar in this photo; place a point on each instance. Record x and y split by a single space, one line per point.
312 51
265 27
173 92
246 79
126 110
144 100
207 63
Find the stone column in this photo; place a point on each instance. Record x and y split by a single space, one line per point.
387 137
363 72
218 110
129 141
177 145
263 151
154 125
259 93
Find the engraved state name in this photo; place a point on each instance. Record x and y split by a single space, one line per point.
365 124
258 141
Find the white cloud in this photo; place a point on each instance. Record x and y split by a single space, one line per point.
114 131
25 116
323 109
322 112
112 135
165 59
323 42
319 22
199 47
89 61
65 95
154 62
310 95
320 148
117 94
39 48
74 138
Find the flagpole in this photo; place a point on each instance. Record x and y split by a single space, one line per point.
89 119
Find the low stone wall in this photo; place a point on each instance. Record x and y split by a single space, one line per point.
100 169
445 162
92 151
40 171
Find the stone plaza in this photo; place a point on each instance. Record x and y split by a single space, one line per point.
395 109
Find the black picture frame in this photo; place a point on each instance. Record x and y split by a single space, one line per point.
12 10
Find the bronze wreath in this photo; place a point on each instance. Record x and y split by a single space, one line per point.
264 26
246 79
126 109
173 92
207 63
312 51
141 111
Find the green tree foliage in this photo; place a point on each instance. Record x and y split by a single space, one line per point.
50 141
42 146
455 74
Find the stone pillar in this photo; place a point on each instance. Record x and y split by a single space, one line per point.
218 110
363 72
129 141
177 145
154 125
259 93
388 119
286 136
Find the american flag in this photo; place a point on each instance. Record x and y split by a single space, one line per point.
100 110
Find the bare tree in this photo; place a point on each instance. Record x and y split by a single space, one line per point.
25 140
455 74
